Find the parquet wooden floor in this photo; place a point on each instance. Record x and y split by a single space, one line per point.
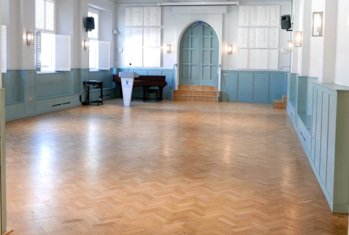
163 168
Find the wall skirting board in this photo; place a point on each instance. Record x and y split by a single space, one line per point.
319 114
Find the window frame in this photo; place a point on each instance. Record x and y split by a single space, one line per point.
45 30
94 40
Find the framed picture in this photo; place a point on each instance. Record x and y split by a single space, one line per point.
318 24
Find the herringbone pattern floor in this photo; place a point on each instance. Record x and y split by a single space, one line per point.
163 168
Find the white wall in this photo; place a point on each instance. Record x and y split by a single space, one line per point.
316 45
69 21
224 20
342 68
323 57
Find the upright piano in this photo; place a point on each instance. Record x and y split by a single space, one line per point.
146 82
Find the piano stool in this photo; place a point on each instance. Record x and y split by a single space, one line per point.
88 86
153 91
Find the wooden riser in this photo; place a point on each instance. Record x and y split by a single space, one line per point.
279 105
195 93
195 98
196 88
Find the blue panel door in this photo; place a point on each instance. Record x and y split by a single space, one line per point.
199 52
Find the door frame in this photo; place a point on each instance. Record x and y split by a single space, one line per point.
217 61
219 36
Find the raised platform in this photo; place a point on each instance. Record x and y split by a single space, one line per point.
196 93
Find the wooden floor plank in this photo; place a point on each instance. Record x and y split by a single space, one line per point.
163 168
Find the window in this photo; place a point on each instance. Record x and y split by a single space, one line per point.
93 40
52 50
143 36
94 34
99 51
45 15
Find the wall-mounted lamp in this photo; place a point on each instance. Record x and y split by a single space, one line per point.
318 23
231 49
115 32
168 48
85 44
298 39
290 45
28 38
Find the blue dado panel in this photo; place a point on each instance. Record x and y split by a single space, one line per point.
30 93
14 85
168 73
253 86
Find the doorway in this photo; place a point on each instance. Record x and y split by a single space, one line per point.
199 56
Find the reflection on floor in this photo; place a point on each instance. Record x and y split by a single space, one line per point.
163 168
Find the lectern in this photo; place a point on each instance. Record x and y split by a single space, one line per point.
127 85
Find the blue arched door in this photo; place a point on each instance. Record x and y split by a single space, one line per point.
199 54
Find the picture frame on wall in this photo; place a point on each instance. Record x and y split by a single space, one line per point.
317 27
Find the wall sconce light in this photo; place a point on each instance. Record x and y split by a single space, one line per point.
28 38
231 49
290 45
168 48
318 24
85 44
298 39
115 32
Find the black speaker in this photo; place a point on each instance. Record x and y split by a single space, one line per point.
286 22
89 23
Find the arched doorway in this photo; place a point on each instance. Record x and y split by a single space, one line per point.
199 55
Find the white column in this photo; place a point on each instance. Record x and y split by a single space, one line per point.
330 41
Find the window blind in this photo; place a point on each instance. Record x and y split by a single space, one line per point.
63 53
38 51
99 55
52 52
104 55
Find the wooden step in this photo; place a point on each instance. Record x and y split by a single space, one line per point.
279 104
195 98
196 88
195 93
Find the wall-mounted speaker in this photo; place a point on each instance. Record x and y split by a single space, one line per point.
89 23
286 22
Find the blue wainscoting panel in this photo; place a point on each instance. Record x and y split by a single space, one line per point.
229 86
14 87
245 87
261 87
31 93
253 86
278 85
52 85
29 78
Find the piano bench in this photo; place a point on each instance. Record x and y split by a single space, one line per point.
153 91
